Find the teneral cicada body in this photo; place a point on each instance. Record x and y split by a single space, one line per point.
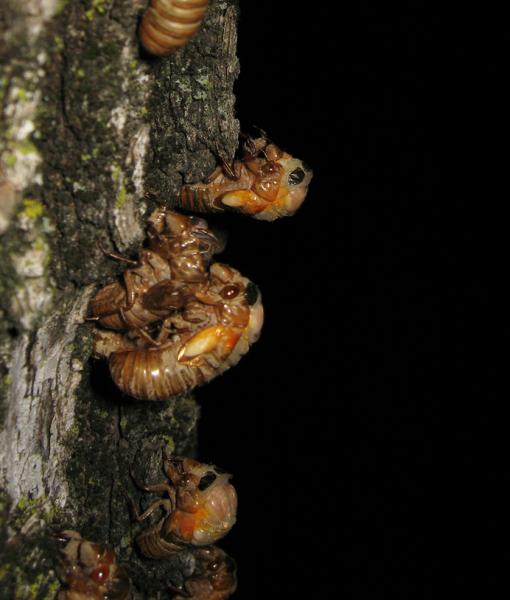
267 183
89 571
201 508
200 342
214 577
167 25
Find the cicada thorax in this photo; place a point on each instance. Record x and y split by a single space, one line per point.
213 519
167 25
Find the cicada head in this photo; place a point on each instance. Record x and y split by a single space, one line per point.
295 179
235 297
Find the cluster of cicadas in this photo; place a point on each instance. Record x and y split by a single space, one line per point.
174 320
177 319
199 508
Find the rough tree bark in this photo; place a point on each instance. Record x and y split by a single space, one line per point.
88 125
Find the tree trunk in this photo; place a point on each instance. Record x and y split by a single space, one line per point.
89 125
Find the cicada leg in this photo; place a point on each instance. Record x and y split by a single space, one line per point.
116 256
245 201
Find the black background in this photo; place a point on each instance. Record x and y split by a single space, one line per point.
352 427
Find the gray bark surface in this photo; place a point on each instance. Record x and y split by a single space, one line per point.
88 125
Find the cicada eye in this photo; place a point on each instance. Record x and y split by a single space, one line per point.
230 565
251 293
296 176
100 574
206 480
230 291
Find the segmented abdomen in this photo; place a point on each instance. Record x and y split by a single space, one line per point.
157 374
169 24
198 198
153 545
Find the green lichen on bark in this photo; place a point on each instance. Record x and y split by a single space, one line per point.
27 550
94 105
90 124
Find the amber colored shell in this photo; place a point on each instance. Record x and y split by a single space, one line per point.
218 515
200 515
265 184
157 373
167 25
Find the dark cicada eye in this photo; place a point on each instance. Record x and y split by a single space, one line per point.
230 291
296 176
230 565
206 480
251 293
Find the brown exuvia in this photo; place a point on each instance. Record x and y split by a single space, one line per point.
89 571
179 253
167 25
214 577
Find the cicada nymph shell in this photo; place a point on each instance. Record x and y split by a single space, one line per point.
208 336
201 508
185 242
179 253
89 571
120 305
214 577
267 183
167 25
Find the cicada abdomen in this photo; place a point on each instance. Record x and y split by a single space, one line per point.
160 373
167 25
